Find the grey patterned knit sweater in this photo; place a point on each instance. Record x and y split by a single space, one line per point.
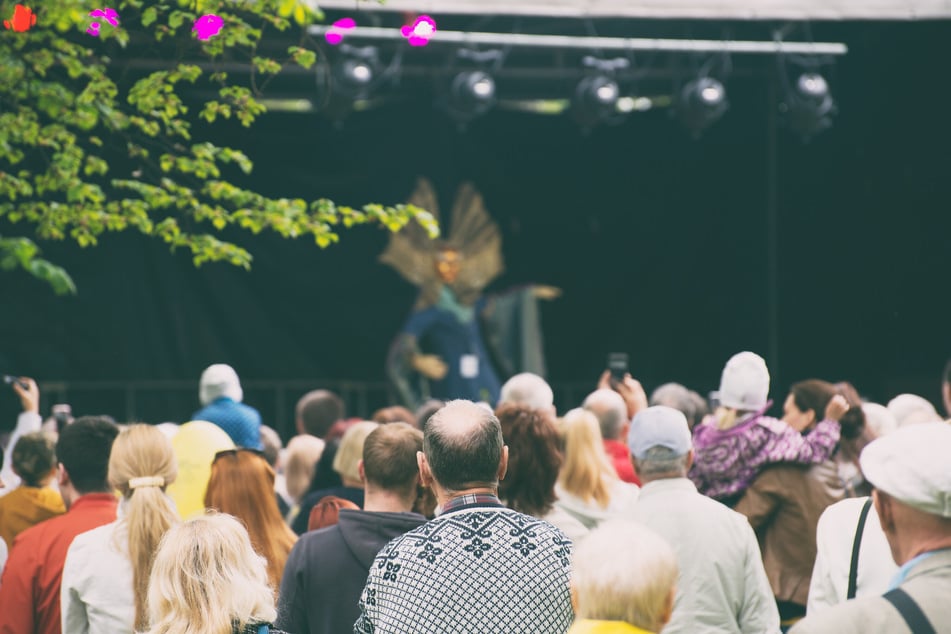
479 569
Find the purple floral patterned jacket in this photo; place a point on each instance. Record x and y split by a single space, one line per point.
726 461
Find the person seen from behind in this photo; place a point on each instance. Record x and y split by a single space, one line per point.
623 580
106 574
208 579
242 485
738 440
34 461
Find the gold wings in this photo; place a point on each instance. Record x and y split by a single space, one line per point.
472 233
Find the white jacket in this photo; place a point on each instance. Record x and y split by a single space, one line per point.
722 587
96 595
621 503
835 536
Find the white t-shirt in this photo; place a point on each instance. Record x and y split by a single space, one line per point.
3 555
835 535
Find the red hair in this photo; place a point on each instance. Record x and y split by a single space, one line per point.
242 484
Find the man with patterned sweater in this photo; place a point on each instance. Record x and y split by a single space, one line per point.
478 566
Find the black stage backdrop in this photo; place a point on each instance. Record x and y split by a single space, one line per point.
659 242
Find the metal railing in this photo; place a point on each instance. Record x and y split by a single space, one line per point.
156 401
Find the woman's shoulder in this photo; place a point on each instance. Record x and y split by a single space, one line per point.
96 538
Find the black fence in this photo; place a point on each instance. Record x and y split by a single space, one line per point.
176 401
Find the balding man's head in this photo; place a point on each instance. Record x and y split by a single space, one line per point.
611 411
463 446
530 390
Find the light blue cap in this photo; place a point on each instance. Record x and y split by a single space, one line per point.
659 426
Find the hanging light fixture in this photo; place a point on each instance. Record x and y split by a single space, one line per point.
471 94
595 101
808 106
471 91
702 102
356 70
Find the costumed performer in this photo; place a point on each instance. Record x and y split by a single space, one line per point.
456 336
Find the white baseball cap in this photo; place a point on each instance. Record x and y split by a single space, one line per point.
911 465
219 380
659 426
744 384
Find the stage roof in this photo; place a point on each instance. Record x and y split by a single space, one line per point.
668 9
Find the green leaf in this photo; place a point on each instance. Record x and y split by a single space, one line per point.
266 65
149 16
302 57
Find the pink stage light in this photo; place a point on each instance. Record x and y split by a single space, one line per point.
208 26
420 31
338 30
109 15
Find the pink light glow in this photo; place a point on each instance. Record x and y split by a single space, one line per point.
109 15
420 31
208 26
338 30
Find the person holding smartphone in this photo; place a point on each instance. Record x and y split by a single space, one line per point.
28 421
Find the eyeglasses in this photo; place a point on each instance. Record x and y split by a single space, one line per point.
234 452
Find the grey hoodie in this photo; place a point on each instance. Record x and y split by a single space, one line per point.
327 569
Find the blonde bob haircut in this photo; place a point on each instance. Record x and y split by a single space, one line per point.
141 464
301 458
348 457
587 473
623 571
207 578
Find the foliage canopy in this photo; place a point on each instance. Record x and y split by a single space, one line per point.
66 124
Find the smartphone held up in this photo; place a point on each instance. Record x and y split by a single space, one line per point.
10 380
617 365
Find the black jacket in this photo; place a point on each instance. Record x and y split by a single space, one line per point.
327 569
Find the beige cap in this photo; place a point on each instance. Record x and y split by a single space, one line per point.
911 465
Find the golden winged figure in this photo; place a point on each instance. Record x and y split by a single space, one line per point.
458 341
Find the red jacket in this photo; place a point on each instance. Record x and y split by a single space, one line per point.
29 590
621 459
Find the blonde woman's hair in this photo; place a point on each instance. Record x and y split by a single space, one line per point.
207 578
348 457
726 417
303 452
622 571
141 464
587 472
242 484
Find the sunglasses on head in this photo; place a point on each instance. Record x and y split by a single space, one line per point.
234 452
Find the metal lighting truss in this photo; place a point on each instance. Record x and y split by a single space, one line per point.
603 43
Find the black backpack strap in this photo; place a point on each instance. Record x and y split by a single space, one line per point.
856 544
910 611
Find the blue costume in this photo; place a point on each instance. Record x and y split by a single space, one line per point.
453 332
478 337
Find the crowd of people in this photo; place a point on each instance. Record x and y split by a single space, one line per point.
625 514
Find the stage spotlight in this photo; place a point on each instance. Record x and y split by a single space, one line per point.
356 70
471 94
596 101
809 106
701 103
